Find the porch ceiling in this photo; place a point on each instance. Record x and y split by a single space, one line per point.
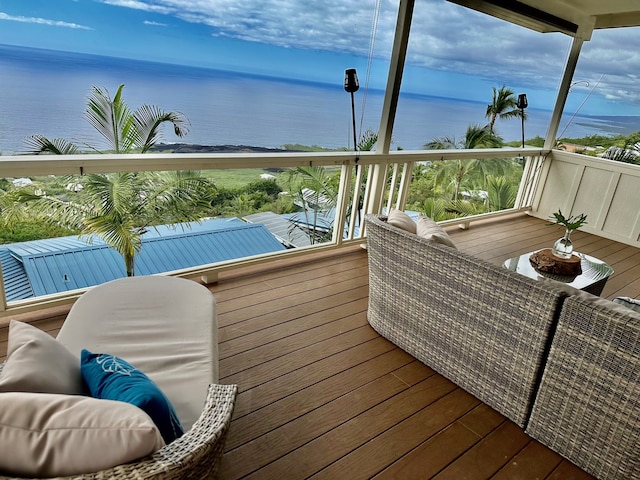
566 16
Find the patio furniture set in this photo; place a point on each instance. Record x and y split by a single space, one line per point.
561 363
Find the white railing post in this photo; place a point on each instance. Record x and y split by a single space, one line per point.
377 183
344 193
405 183
356 214
525 183
392 186
3 295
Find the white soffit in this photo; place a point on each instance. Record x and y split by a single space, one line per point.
566 16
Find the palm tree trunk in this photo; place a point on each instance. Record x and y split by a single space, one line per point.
128 263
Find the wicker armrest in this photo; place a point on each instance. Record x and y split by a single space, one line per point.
195 455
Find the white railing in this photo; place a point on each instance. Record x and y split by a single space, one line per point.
607 191
385 185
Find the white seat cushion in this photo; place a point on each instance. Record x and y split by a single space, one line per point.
164 326
49 435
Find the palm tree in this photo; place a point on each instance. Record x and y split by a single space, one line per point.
456 171
123 130
503 106
120 207
629 153
367 141
476 136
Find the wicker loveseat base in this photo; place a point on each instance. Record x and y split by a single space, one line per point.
194 456
563 364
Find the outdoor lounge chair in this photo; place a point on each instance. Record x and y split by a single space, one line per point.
166 327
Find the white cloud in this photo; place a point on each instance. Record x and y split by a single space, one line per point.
444 37
42 21
154 24
156 7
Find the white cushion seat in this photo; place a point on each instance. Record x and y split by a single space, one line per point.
164 326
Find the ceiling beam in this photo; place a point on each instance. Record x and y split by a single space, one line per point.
522 14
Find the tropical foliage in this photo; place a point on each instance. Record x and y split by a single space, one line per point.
629 153
315 192
453 188
120 207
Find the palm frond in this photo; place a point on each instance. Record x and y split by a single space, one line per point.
51 209
148 120
39 144
181 196
502 193
443 143
112 119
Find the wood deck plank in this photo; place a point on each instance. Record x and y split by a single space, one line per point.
294 434
399 440
488 456
442 449
272 416
286 292
327 298
293 381
310 356
283 339
268 281
285 297
331 447
534 461
232 346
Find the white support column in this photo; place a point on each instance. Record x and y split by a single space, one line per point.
396 69
584 34
390 103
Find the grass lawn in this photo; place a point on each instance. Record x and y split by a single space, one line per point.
237 177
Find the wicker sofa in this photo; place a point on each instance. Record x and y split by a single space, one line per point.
493 333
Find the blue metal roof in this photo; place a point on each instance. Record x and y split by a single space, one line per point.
42 267
16 282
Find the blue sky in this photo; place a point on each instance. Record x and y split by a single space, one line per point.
453 52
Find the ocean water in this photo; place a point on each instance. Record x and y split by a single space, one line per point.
44 92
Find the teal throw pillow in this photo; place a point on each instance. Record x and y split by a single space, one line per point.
111 378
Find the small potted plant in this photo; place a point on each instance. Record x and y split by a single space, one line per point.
563 248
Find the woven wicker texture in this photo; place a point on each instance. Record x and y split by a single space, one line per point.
481 326
588 406
195 455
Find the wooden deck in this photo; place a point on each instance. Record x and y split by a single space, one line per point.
321 395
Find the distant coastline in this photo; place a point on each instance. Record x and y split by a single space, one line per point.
194 148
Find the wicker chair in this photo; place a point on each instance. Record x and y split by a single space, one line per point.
179 318
195 455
